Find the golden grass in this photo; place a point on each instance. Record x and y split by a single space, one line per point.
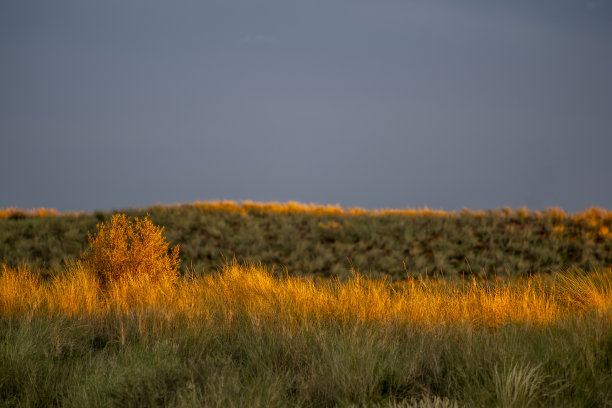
33 212
592 216
252 292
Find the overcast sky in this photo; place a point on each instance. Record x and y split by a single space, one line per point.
382 103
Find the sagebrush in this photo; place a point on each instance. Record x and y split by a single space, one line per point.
125 248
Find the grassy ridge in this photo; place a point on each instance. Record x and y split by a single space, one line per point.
245 338
325 241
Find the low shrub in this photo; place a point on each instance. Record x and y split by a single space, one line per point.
126 248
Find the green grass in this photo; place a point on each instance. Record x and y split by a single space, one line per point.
84 362
491 244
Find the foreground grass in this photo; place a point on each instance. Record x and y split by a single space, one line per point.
245 338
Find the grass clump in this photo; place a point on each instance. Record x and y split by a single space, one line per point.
125 248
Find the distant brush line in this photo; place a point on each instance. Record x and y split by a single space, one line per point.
293 207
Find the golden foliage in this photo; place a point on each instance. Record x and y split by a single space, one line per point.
251 292
591 216
20 291
131 249
292 207
13 212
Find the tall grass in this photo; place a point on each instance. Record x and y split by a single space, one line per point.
252 291
244 337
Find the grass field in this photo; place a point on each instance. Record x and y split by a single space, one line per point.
245 338
326 241
119 324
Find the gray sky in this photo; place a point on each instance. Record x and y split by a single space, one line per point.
382 103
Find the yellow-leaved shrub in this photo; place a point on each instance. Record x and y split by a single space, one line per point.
131 249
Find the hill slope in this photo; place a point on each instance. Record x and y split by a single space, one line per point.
327 240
